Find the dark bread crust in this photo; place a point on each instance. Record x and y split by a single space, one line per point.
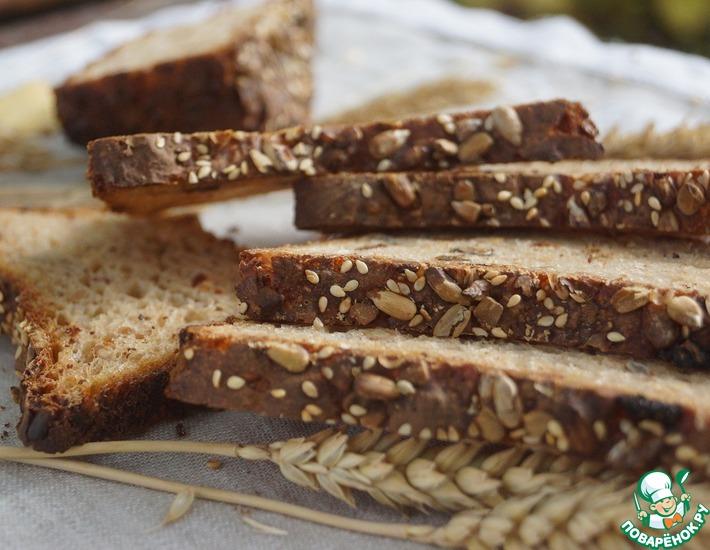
226 88
49 422
447 402
616 201
566 310
546 131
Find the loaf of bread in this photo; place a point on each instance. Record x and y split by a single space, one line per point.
627 295
247 69
148 172
94 302
626 412
613 196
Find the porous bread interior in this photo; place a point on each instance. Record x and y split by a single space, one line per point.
603 374
173 43
594 167
109 294
661 263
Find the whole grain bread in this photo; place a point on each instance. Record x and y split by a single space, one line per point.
94 302
626 295
148 172
620 410
663 197
242 68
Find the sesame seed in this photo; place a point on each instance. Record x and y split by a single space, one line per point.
366 190
410 275
404 289
327 373
654 203
322 304
318 324
498 332
235 382
540 192
517 203
345 305
368 362
405 429
278 393
229 169
337 291
306 166
351 285
419 284
546 321
313 409
189 353
361 267
478 331
615 337
561 320
655 218
216 377
306 416
192 177
325 352
548 303
357 410
202 149
405 387
160 142
504 196
316 132
346 266
416 320
498 280
203 172
312 277
177 137
348 419
514 300
540 295
393 286
309 388
184 156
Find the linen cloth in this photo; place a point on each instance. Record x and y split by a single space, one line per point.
365 48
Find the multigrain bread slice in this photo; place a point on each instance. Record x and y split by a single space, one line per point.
626 295
609 407
242 68
95 302
662 197
147 172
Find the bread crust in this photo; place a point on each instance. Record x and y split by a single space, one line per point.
225 88
646 201
546 131
460 296
428 397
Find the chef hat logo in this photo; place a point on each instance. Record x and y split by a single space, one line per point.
655 487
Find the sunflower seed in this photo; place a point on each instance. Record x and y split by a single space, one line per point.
474 146
292 357
388 142
629 299
394 305
374 386
456 316
507 123
445 287
686 311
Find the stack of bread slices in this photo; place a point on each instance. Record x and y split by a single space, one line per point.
502 283
519 290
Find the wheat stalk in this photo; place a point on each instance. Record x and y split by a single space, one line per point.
499 495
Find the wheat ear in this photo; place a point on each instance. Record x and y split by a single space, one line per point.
396 472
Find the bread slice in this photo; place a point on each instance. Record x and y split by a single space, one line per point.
94 302
623 411
627 295
663 197
242 68
148 172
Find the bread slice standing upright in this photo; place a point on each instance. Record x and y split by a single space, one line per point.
148 172
628 413
653 198
642 298
242 68
94 302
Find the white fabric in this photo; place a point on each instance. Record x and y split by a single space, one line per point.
366 48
